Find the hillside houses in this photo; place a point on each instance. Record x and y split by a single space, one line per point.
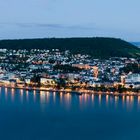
47 67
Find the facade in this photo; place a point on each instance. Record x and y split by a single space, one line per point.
82 66
133 78
47 81
132 81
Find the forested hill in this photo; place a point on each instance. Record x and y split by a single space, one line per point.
136 44
96 47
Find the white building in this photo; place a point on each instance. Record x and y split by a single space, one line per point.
47 81
27 80
132 78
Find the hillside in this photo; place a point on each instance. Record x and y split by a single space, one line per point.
96 47
136 44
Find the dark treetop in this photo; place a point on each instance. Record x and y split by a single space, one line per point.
96 47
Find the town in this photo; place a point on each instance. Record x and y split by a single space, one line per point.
63 71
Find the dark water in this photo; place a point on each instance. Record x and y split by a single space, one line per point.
55 116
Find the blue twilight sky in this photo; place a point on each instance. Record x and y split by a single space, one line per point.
70 18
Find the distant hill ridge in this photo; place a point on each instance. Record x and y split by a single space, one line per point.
136 44
97 47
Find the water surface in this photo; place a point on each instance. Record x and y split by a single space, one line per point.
41 115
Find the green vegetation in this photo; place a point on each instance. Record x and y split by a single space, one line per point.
96 47
66 68
134 68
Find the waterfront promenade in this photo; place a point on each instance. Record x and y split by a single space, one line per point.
78 92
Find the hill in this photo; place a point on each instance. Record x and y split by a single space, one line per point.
96 47
136 44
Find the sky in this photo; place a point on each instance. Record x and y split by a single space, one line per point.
70 18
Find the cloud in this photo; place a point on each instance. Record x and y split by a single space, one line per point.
43 25
41 30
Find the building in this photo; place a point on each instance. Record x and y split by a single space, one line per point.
47 81
95 71
132 78
82 66
132 81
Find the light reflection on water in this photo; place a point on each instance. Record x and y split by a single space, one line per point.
42 115
116 101
138 100
42 97
67 99
27 95
6 94
12 92
100 99
54 97
107 100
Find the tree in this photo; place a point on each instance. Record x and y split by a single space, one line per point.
36 80
131 68
51 61
61 83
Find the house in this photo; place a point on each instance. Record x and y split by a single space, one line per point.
47 81
132 78
12 82
27 80
81 66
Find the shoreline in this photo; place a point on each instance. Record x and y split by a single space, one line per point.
80 92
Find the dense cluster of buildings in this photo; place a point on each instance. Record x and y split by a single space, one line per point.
55 68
